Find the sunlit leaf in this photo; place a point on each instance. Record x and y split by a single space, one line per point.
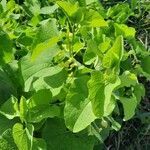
129 106
114 55
68 7
78 109
23 137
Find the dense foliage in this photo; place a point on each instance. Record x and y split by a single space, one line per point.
69 72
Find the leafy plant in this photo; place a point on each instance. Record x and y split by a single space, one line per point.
68 73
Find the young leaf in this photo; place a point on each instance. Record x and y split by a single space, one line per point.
68 7
122 29
94 19
114 55
23 109
23 137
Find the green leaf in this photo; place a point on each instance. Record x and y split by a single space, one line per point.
25 40
7 87
94 19
23 109
120 12
114 55
139 92
122 29
56 80
6 141
6 124
129 106
38 113
128 79
82 3
105 45
10 108
46 39
50 82
40 108
48 9
89 58
35 8
3 3
96 92
47 30
46 46
68 7
109 102
101 95
41 97
23 137
78 46
88 2
39 144
55 131
6 53
91 52
78 112
32 71
134 4
145 64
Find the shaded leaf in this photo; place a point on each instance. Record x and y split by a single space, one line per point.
6 53
7 141
55 131
145 64
38 113
39 144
